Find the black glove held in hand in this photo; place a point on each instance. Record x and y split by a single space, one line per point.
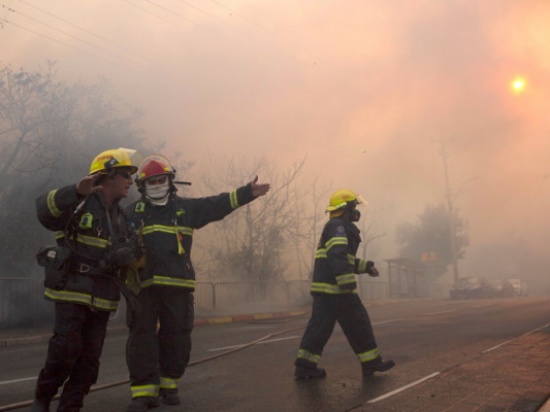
122 254
371 270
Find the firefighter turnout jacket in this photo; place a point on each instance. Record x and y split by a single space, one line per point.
87 229
335 298
335 261
167 233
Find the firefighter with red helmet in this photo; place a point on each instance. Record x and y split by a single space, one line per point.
334 293
166 222
83 273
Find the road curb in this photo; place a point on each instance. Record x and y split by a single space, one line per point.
23 341
247 318
203 321
26 340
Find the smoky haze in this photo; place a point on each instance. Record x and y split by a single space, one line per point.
367 92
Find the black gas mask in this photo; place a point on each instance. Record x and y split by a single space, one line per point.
354 214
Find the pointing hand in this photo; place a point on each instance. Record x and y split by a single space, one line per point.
259 189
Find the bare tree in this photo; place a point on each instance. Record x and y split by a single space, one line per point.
29 112
49 132
369 233
315 199
253 242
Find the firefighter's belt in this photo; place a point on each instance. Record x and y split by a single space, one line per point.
89 270
86 269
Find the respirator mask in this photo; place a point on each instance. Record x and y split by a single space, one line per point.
353 213
157 189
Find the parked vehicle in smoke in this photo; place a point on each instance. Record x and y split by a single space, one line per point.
471 287
520 287
502 288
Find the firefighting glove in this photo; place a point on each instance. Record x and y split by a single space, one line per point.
371 270
123 254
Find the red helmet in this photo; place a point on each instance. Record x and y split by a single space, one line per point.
154 165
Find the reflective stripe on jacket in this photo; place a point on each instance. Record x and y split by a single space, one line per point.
87 233
168 233
335 262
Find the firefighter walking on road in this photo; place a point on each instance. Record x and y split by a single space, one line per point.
334 293
166 223
82 274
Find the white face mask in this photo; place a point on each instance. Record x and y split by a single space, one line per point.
158 193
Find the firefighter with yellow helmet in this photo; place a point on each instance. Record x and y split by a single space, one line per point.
157 358
83 273
334 293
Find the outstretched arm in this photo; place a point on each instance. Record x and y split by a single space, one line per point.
214 208
259 189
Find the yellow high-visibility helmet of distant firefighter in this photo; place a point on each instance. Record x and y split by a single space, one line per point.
112 159
341 198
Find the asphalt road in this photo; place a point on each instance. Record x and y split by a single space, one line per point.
422 336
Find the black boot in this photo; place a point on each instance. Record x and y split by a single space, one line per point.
302 372
142 404
170 396
378 365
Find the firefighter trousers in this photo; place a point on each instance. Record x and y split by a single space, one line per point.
73 355
350 313
159 341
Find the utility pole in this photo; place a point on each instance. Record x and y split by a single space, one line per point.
452 233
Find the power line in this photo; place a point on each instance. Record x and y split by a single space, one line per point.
9 9
67 34
124 63
170 11
263 118
58 41
143 9
153 14
63 43
271 32
89 32
235 28
195 23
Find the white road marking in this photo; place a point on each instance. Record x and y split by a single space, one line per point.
17 380
498 346
454 310
485 304
444 311
386 321
387 395
403 388
289 337
265 341
508 341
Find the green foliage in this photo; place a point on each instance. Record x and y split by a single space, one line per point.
430 237
49 132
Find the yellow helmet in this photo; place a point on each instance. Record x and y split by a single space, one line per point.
115 158
341 198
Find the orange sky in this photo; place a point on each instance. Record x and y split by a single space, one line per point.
366 91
